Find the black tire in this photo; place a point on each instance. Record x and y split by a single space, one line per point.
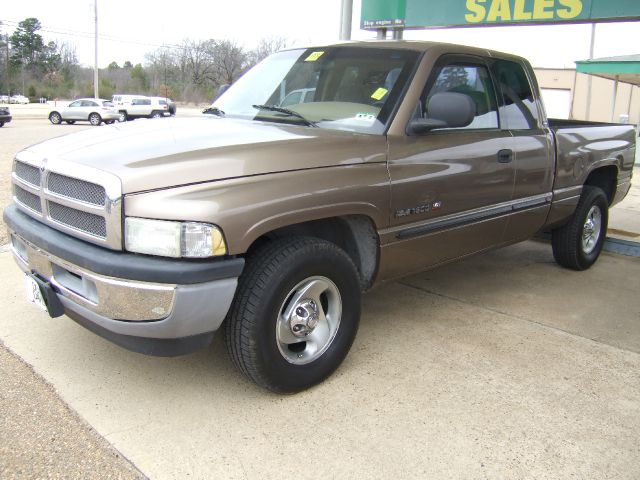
95 119
275 276
55 118
1 124
156 114
70 122
109 122
123 116
576 244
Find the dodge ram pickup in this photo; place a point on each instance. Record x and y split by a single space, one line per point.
268 221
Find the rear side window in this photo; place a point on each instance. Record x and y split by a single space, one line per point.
518 110
472 80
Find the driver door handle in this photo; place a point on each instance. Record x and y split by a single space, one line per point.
505 156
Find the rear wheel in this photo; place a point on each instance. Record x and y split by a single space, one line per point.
295 314
55 118
123 116
578 243
156 115
1 124
95 119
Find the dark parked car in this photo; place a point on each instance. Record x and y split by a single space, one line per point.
5 116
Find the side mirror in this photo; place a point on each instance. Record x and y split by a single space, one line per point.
445 110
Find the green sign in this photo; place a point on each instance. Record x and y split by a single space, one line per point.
465 13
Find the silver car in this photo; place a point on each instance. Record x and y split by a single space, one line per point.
92 110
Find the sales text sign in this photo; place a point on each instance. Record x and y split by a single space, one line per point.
460 13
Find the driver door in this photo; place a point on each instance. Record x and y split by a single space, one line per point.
449 185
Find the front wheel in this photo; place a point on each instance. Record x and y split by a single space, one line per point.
122 117
578 243
55 118
295 314
95 119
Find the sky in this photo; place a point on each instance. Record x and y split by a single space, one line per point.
127 30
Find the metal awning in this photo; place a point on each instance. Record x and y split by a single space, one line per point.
625 68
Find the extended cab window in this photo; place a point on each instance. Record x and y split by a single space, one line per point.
471 80
518 110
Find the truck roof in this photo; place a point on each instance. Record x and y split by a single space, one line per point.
419 46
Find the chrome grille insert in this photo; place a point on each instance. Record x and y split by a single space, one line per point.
83 221
27 199
28 173
79 200
77 189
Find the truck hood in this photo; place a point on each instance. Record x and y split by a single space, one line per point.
162 153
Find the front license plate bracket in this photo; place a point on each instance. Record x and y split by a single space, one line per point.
42 294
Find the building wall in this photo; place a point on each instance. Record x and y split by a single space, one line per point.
628 98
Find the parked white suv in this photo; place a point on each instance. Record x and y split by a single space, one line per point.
131 107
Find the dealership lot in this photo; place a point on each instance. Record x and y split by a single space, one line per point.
500 366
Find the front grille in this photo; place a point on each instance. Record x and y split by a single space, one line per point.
83 221
77 189
28 173
28 199
79 200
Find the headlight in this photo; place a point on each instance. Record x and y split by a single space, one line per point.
173 239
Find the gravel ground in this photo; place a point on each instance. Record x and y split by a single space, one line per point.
43 438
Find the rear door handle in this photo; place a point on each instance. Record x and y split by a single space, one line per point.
505 156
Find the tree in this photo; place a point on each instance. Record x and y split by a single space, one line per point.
28 46
113 66
138 73
229 62
266 47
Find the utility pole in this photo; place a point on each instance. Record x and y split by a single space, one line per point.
345 19
95 68
6 37
590 77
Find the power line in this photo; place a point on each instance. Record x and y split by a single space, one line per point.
85 35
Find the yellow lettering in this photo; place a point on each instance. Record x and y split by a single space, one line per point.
574 8
519 12
478 11
500 9
541 9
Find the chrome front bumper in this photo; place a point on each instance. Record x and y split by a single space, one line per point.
108 292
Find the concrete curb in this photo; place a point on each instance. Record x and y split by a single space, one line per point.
628 248
622 247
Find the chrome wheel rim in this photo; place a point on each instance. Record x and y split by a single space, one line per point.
94 120
308 320
591 229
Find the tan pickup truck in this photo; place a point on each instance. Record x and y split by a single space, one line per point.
268 218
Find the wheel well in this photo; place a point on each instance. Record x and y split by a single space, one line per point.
606 179
355 234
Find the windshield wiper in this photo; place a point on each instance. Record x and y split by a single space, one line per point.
286 111
213 111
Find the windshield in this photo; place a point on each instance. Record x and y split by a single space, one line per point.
344 88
